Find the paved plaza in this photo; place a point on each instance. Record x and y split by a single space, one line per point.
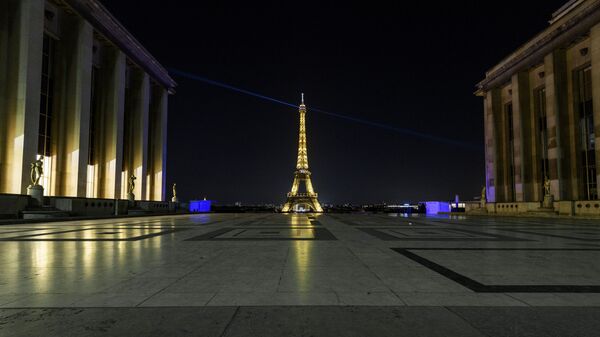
301 275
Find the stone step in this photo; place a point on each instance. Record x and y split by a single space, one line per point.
543 212
44 214
139 211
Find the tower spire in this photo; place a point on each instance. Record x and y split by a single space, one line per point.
302 201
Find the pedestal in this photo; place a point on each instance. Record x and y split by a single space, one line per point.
36 192
548 201
174 199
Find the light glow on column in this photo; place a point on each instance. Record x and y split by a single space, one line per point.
138 183
14 181
124 183
72 180
148 187
110 175
90 183
158 186
46 180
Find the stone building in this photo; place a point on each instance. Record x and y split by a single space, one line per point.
79 91
542 117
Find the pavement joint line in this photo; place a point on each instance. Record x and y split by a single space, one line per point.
377 276
337 297
211 298
287 254
479 287
517 299
237 310
449 309
177 280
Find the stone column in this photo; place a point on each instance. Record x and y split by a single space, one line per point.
595 56
138 130
524 124
520 88
158 139
497 113
535 144
21 40
5 11
74 62
559 131
111 109
490 148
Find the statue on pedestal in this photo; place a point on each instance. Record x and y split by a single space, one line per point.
548 197
174 198
483 200
35 190
130 188
547 187
37 170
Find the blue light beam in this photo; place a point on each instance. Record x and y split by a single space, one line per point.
396 129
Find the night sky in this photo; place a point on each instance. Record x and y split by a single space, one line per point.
404 66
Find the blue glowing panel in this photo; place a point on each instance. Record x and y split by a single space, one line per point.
200 206
434 207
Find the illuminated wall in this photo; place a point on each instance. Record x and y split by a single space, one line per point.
135 134
157 143
75 164
542 113
73 75
20 81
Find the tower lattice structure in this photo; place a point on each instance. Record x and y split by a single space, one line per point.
296 200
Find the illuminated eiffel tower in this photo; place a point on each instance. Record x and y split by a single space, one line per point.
305 201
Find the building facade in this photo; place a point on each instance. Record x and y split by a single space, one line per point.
80 92
542 116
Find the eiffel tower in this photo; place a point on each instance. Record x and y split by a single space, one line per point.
305 201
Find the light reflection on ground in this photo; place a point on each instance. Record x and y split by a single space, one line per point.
279 259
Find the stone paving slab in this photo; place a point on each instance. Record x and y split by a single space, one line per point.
348 321
266 321
354 285
147 322
529 321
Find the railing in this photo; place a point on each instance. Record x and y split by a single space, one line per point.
303 195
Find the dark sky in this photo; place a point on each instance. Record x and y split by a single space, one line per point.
406 65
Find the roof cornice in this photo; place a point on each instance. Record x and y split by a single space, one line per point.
556 36
105 23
